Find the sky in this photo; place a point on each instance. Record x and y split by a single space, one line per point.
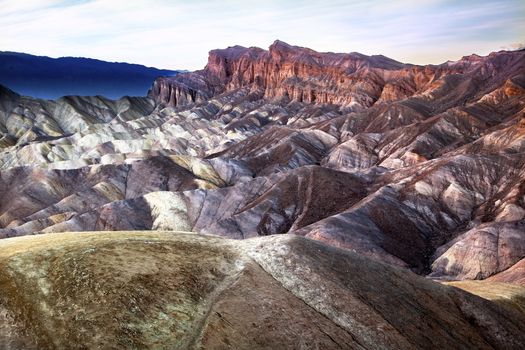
178 34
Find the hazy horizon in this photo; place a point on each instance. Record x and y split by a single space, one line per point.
178 34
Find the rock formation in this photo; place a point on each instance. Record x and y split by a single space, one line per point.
421 167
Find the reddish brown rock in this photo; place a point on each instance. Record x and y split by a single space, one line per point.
351 80
514 274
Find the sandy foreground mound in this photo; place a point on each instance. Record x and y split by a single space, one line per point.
165 290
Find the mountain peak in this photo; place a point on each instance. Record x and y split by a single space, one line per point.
278 44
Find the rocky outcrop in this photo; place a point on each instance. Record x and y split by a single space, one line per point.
185 291
285 71
350 80
514 274
482 252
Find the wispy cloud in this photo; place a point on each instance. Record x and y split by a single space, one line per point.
514 46
178 34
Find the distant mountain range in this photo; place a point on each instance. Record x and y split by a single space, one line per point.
51 78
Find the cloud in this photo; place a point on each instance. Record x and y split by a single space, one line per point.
178 34
514 46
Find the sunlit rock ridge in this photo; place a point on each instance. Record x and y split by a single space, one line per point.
422 167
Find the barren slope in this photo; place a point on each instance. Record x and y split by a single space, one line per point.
169 290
